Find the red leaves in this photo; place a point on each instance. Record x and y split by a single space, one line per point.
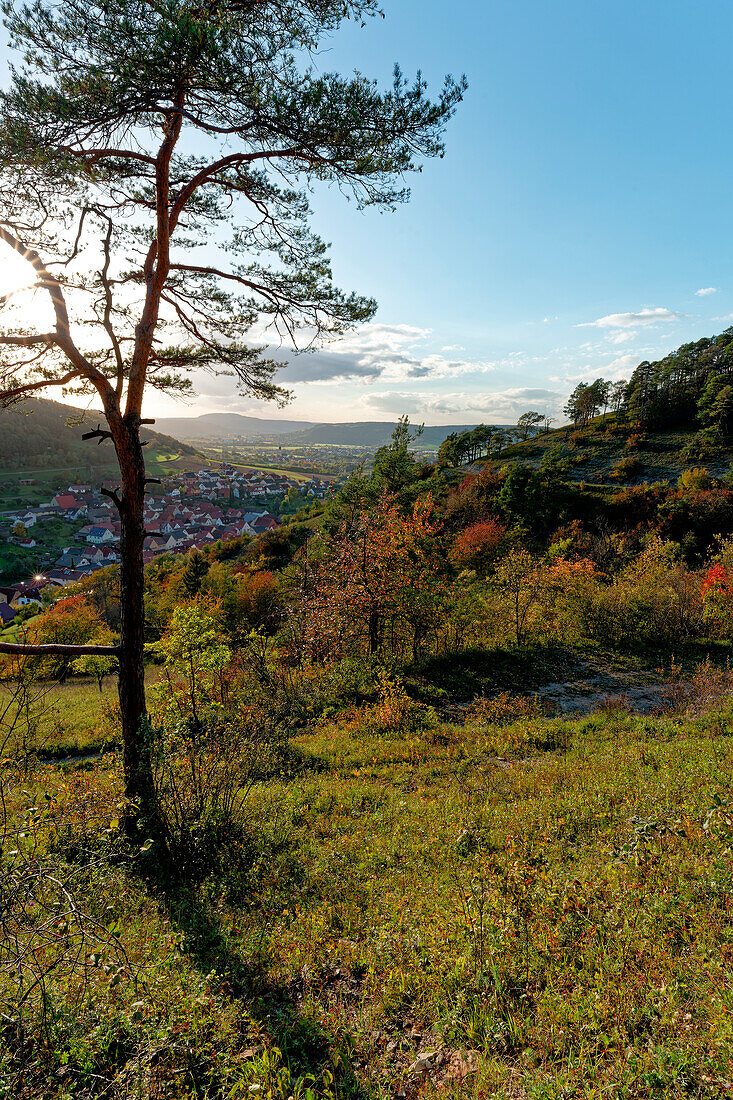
378 577
717 581
478 545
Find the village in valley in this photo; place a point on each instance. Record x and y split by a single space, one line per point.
187 510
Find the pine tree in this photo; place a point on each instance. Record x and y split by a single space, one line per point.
155 163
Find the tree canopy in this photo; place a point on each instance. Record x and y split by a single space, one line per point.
137 132
156 159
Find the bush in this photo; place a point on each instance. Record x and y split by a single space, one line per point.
396 712
695 480
514 725
207 746
503 708
702 446
636 441
477 546
626 468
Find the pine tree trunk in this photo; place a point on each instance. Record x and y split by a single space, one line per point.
139 787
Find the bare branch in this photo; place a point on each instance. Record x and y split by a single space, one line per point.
28 387
113 496
16 341
98 433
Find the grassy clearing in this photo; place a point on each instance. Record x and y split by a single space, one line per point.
539 909
74 717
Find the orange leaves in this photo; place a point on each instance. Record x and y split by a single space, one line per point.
375 579
71 621
717 582
563 574
477 546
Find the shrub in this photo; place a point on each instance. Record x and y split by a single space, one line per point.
478 545
636 441
505 707
207 747
704 690
701 446
514 725
395 712
625 468
695 480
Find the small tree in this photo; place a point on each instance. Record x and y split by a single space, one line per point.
528 423
97 665
395 468
376 584
134 134
477 546
519 576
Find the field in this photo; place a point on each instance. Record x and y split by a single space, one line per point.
538 908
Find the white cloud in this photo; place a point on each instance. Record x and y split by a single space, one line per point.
621 366
644 317
502 407
705 290
392 353
622 336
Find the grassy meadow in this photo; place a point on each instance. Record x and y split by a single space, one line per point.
508 908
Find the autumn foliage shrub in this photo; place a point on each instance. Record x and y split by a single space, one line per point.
395 712
478 546
376 585
717 595
70 621
705 689
514 726
636 441
625 468
505 707
695 480
655 600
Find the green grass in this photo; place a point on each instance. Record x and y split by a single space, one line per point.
13 632
543 922
75 718
595 450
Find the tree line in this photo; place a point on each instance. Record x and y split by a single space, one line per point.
690 387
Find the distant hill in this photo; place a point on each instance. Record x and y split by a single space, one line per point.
370 433
227 426
43 434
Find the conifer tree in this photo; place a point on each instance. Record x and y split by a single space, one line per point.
155 163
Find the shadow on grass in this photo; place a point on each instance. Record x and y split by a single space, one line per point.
462 675
308 1051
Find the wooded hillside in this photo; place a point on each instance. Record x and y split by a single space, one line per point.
40 433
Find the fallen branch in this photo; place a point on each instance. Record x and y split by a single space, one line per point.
63 650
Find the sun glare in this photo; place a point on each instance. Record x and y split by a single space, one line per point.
25 305
14 272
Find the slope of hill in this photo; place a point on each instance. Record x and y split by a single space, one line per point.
367 433
609 450
41 434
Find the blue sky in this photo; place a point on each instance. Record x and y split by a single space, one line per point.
584 204
586 196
